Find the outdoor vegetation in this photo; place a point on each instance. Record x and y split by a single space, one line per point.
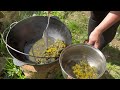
77 22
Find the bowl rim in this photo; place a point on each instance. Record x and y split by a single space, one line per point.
73 45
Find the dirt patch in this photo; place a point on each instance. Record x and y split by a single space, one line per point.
2 64
115 43
112 54
77 15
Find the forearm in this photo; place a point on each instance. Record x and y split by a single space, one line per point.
112 18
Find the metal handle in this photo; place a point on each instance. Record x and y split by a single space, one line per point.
13 24
45 33
6 30
5 34
5 40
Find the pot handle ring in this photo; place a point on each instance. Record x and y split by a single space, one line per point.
6 31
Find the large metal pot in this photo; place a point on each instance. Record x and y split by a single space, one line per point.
28 31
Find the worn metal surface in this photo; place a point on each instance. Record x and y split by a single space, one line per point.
74 53
30 30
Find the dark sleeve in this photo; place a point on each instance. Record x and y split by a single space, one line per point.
99 15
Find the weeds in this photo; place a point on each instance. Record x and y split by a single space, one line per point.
12 71
76 22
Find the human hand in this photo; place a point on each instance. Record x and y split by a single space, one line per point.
94 39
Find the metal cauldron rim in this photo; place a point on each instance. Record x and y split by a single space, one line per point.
8 46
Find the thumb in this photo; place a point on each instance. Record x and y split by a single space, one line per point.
97 45
90 42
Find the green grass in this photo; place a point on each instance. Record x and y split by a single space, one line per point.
3 50
76 22
113 62
118 33
12 71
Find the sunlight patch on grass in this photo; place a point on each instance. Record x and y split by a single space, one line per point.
114 70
